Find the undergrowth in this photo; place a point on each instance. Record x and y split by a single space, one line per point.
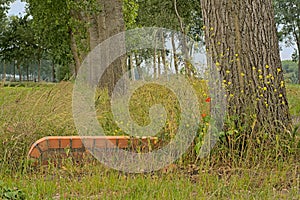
31 112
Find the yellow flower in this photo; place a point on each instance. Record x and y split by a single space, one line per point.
267 66
231 95
260 76
265 88
204 27
219 43
275 90
242 74
254 68
280 95
259 70
227 71
212 28
217 64
236 55
229 83
278 70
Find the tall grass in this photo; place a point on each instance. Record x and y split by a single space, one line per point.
29 113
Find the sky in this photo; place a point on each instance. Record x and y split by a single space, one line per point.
18 8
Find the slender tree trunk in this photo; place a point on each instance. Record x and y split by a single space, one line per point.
4 71
154 63
138 66
14 71
163 54
27 73
174 53
39 69
53 72
242 42
298 47
20 72
159 63
75 53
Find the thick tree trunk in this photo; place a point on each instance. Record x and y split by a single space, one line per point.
241 40
108 23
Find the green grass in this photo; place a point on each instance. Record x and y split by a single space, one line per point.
29 113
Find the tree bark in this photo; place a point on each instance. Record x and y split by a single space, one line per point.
241 40
53 72
4 71
74 51
108 23
20 72
174 53
39 70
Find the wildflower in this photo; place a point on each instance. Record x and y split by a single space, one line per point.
227 71
280 95
267 66
242 74
254 68
217 64
278 70
203 115
265 88
208 99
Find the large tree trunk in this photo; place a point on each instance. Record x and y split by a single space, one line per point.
241 41
108 23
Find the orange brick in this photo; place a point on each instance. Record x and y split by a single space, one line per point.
123 143
76 143
53 143
100 143
65 142
43 145
35 153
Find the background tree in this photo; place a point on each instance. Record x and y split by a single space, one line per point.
288 22
241 40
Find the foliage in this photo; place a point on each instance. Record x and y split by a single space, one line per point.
290 70
7 193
